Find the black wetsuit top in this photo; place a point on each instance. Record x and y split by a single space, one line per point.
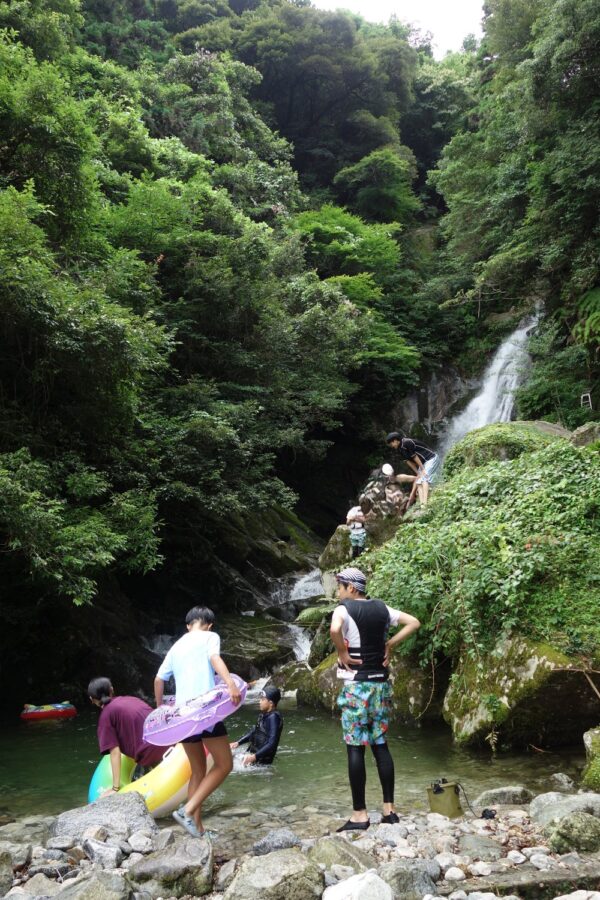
264 737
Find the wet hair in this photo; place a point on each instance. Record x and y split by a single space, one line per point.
394 436
200 614
100 689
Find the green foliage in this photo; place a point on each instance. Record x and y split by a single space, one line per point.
378 187
494 442
49 27
507 546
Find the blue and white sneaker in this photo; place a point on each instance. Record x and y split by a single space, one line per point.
187 822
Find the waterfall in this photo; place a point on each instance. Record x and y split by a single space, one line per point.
495 401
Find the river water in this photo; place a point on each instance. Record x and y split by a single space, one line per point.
45 767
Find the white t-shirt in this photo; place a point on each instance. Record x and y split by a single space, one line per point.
356 525
188 661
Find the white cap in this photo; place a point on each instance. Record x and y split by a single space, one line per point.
387 469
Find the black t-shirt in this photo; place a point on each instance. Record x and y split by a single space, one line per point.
409 448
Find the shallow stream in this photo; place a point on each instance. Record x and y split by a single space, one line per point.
45 767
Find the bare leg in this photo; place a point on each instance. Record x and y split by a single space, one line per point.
197 757
223 764
405 479
424 493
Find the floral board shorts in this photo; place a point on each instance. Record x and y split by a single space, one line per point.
365 711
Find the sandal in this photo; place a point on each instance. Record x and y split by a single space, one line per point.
354 826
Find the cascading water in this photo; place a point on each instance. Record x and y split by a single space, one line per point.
496 399
289 597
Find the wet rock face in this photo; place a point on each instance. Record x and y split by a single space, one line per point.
526 679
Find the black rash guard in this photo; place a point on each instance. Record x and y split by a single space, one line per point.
264 737
366 628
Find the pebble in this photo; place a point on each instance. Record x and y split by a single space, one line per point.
454 874
541 861
516 857
241 812
480 869
530 851
457 895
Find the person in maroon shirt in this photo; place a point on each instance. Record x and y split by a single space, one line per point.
120 728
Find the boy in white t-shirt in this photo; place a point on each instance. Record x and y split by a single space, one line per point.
355 519
193 661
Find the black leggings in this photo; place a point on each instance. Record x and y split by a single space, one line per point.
358 774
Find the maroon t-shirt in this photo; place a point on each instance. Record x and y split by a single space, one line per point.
121 725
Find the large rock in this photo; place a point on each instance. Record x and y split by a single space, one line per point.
120 814
20 854
409 880
366 886
337 850
479 846
108 856
511 794
6 871
338 552
538 697
97 885
32 830
554 806
283 875
42 886
576 831
185 868
586 434
591 773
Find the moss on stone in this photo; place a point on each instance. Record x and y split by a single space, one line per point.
338 551
312 616
591 773
497 442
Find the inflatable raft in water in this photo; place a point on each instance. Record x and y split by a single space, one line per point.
64 710
164 788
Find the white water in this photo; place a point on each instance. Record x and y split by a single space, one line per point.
301 642
308 586
496 399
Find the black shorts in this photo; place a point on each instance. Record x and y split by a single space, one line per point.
218 731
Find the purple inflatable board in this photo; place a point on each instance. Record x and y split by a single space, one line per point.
170 724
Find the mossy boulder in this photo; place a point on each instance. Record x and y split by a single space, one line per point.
322 645
523 693
500 442
586 434
591 773
338 551
577 831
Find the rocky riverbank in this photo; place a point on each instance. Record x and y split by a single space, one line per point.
533 849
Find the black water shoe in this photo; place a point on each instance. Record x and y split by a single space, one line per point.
391 819
354 826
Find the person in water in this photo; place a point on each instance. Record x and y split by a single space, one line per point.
193 661
421 459
264 737
120 729
359 628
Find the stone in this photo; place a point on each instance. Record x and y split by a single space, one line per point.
577 831
541 861
131 860
591 773
530 851
366 886
95 833
164 839
410 880
480 869
511 794
237 812
120 814
554 806
61 843
104 855
276 839
586 434
479 846
457 895
338 551
225 875
515 857
97 885
336 849
185 868
50 869
580 895
562 782
33 830
6 871
282 875
140 842
394 835
42 886
454 874
342 872
20 854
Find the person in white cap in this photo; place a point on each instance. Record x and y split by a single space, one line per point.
359 628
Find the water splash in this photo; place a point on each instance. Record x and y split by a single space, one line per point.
495 401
